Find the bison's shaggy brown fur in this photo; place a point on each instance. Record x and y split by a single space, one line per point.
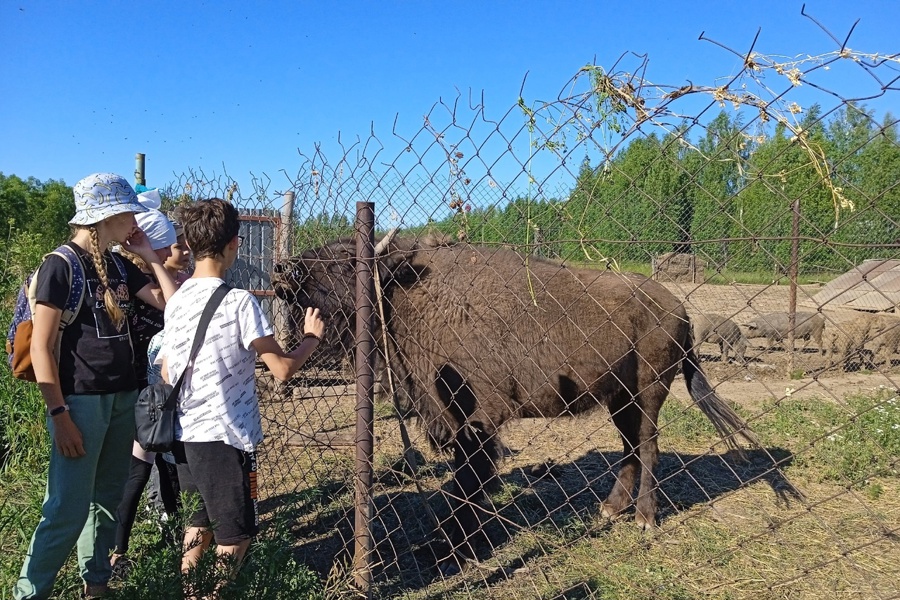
480 336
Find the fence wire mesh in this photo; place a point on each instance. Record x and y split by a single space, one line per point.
765 203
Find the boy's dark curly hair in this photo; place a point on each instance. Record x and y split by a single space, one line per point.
208 226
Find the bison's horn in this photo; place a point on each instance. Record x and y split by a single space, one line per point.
382 246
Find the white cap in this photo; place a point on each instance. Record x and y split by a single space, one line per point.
158 228
150 199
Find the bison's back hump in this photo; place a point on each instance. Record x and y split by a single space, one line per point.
508 284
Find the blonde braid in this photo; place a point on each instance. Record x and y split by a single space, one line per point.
137 260
109 298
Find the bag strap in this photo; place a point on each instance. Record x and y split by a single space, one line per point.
76 284
118 261
75 273
205 318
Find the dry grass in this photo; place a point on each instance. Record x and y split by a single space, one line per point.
727 529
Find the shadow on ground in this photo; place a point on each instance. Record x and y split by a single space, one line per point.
562 498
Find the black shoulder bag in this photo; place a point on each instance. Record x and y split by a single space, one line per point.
154 411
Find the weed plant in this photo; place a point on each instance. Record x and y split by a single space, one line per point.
847 442
270 570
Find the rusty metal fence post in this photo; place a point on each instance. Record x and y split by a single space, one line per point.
365 344
283 237
793 272
140 177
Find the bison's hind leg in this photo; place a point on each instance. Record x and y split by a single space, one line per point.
635 418
627 417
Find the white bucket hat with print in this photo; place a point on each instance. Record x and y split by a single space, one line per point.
103 195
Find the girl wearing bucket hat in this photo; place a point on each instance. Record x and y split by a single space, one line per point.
90 386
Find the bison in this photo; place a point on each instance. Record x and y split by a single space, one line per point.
483 335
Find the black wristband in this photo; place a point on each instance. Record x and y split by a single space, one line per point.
312 335
58 410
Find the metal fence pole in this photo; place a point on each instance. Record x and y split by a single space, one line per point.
139 172
793 271
365 345
280 309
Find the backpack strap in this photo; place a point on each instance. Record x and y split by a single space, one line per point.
76 285
73 300
76 281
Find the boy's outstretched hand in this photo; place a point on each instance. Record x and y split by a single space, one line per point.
313 322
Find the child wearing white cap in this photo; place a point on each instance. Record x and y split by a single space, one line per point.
90 387
146 321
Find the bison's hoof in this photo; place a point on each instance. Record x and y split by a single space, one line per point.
608 511
450 567
645 523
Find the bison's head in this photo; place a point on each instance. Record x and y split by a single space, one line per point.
325 278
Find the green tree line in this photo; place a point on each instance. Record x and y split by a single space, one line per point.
35 215
723 196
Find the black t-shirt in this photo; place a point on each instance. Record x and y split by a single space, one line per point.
145 322
94 357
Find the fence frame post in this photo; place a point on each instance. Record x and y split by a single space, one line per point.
283 242
140 177
365 345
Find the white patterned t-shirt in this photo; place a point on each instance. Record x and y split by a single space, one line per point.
218 398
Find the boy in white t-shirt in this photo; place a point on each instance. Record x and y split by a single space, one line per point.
218 414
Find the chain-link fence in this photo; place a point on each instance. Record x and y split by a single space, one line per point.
765 204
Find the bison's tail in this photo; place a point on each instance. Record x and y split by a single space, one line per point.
726 421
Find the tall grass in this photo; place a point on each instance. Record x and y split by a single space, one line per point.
847 442
270 570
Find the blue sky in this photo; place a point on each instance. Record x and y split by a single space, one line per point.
243 86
